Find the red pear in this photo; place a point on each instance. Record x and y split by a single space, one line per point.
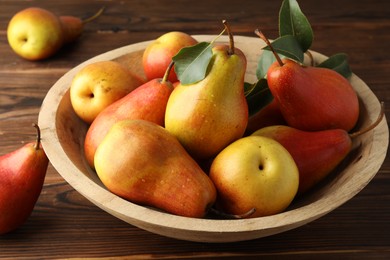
316 153
147 102
158 54
312 98
73 27
22 173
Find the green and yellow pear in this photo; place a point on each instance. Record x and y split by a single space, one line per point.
209 114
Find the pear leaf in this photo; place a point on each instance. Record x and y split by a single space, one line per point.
338 63
191 62
293 22
265 60
288 46
257 96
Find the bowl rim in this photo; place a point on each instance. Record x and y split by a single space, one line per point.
204 230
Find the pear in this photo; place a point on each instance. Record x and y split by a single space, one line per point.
254 172
147 102
35 33
99 84
73 27
140 161
158 54
22 173
316 153
208 115
312 98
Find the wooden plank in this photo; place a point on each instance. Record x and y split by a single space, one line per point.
64 224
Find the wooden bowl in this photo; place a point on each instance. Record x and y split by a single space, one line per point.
63 136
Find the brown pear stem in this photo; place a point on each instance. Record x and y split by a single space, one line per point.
168 70
262 36
38 141
93 17
234 216
231 40
373 125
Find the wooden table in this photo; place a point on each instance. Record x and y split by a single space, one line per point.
66 225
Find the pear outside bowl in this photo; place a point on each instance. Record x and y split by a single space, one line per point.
63 136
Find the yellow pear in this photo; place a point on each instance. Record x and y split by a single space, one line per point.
254 172
35 33
210 114
98 85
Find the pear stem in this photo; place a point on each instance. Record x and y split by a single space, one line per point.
38 141
165 78
93 17
234 216
373 125
231 40
262 36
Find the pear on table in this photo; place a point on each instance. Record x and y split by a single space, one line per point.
142 162
22 173
209 114
35 33
73 27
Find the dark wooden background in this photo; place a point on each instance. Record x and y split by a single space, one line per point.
65 225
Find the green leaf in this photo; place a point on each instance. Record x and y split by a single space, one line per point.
293 22
257 96
265 60
191 62
338 63
288 46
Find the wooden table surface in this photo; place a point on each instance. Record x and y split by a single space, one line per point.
66 225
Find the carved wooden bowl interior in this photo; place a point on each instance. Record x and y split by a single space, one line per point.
63 136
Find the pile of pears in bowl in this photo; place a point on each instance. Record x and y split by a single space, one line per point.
180 150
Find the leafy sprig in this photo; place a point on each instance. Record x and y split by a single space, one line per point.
295 39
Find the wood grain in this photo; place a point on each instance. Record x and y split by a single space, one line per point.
356 230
